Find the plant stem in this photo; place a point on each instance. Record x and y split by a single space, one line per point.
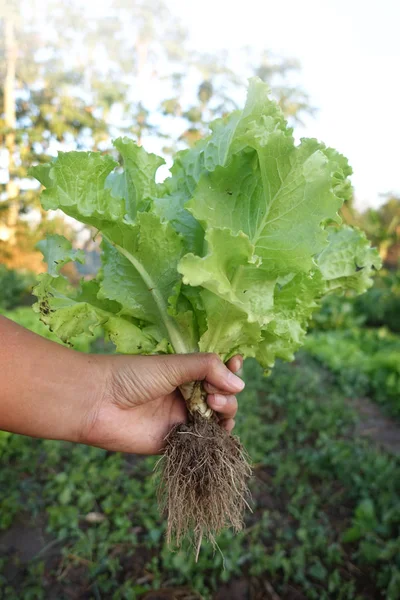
195 397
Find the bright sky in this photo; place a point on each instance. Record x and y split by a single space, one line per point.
349 52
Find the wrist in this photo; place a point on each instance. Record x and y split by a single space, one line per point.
96 372
68 398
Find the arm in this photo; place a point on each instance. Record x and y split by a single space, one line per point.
43 385
126 403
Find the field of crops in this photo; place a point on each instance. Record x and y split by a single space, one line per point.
79 522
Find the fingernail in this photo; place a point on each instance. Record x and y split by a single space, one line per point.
235 381
219 400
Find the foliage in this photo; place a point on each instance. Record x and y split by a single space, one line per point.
380 306
15 286
324 526
337 312
366 362
230 255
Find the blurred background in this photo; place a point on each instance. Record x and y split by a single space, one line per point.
324 431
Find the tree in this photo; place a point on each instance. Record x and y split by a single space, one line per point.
38 109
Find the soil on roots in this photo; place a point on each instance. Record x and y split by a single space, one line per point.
204 474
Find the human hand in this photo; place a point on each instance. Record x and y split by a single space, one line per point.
123 403
141 401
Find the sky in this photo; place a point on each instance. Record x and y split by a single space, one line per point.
350 59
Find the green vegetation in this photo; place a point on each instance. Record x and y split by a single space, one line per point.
365 361
15 287
378 307
325 508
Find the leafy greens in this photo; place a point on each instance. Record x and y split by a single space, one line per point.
231 254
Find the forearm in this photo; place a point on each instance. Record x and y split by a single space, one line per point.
45 388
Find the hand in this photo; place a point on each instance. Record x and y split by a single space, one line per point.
125 403
142 402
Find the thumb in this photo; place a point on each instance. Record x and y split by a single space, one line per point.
184 368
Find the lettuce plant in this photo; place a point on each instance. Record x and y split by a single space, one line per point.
231 254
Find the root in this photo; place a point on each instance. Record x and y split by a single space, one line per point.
203 481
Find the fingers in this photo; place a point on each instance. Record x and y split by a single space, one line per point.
227 424
182 368
226 406
235 363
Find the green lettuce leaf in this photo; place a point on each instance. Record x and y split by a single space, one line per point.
69 312
58 251
136 182
348 261
142 276
75 183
